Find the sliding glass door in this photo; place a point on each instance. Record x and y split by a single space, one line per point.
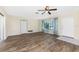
50 26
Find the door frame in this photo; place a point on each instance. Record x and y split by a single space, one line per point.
4 28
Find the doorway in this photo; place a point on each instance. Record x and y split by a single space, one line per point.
2 28
23 26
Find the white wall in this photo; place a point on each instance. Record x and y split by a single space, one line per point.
76 31
75 15
60 19
13 25
34 25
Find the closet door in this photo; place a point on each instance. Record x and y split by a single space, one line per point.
68 27
1 28
23 26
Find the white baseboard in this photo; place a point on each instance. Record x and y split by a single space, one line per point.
70 40
13 34
22 33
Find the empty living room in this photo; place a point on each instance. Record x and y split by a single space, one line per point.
39 29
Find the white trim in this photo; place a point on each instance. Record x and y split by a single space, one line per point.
70 40
4 28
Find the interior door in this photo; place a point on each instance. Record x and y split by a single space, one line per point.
1 28
68 27
23 26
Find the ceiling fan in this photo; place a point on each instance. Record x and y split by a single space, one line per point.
47 9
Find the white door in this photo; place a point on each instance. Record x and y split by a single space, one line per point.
1 28
68 27
23 26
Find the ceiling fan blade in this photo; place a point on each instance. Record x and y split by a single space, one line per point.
36 13
49 13
41 10
52 9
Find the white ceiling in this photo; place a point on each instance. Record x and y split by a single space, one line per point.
29 11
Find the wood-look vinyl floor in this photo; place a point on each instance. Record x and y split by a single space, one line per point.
36 42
